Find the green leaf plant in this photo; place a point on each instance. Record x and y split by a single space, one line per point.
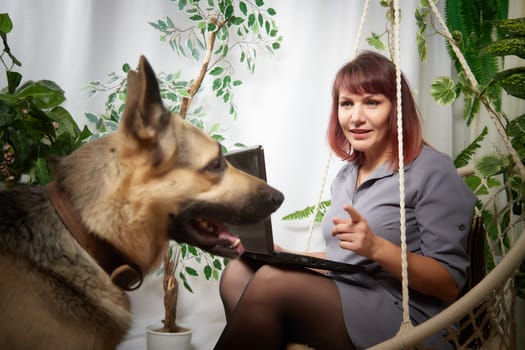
212 33
484 35
33 125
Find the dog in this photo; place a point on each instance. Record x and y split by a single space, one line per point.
70 250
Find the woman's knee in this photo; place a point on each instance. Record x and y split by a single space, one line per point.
234 280
269 284
236 274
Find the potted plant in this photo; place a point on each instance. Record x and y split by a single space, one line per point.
213 32
33 124
495 37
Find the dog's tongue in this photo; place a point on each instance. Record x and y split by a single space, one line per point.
233 242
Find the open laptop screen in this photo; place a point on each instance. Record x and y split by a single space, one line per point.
257 237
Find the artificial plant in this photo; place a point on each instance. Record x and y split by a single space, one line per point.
212 33
484 35
33 124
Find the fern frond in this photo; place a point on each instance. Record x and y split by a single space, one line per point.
307 212
466 155
516 131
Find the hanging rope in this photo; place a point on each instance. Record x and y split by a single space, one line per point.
361 25
327 166
492 288
404 263
318 202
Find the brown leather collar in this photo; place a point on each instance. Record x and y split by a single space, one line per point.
123 273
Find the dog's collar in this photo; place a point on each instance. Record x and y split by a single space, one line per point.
122 272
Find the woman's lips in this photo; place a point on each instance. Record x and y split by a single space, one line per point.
359 133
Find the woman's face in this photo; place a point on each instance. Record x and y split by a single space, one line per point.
364 120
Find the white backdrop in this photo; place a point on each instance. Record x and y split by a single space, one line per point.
283 106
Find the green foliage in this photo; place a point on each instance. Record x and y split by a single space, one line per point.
473 22
511 27
33 125
472 25
491 165
463 158
309 211
376 39
496 172
190 256
512 80
504 47
516 131
172 90
421 22
513 43
443 90
241 27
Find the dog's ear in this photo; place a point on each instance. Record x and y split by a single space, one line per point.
144 114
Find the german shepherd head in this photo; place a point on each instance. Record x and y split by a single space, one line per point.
158 178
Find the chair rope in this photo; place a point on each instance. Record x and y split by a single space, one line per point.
404 263
489 302
329 160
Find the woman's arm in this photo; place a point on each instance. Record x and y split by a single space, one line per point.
425 274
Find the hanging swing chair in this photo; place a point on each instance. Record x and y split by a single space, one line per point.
483 316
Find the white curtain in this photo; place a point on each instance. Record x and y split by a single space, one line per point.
283 106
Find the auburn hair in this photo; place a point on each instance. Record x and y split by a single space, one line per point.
373 73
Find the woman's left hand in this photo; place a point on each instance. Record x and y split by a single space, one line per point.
354 233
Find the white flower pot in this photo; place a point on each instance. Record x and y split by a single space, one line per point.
158 340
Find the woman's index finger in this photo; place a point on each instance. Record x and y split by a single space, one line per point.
354 214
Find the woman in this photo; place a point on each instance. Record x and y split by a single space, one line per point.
267 307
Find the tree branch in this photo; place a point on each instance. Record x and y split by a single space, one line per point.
171 290
186 101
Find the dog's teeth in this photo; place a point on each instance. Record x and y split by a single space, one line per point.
236 243
204 224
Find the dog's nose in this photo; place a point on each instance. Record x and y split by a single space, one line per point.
277 198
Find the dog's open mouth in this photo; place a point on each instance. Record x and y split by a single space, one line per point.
212 236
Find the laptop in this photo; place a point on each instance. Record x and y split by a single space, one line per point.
257 239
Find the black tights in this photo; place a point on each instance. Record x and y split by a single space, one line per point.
269 307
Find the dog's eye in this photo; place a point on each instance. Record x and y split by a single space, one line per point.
216 165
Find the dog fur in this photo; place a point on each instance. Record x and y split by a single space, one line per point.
135 189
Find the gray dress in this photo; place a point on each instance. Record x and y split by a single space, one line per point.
439 209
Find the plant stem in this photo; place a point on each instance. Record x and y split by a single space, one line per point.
186 101
171 289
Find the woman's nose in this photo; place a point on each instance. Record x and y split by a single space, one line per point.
357 114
